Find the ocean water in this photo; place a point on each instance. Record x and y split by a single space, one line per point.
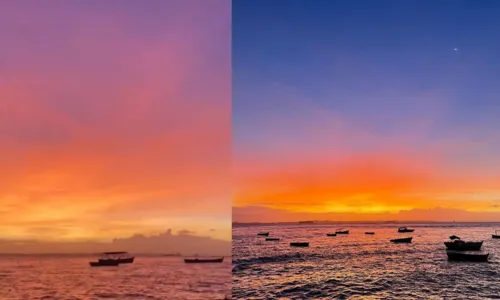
70 277
359 266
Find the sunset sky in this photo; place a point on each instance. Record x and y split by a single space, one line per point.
366 110
114 119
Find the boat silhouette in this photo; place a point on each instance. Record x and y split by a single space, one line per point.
122 257
461 256
405 229
403 240
105 263
197 260
459 245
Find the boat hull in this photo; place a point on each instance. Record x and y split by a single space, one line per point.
369 232
263 234
103 263
331 234
342 232
299 244
495 236
203 261
272 239
405 240
465 246
458 256
127 260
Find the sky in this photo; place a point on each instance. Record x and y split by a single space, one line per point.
366 110
114 120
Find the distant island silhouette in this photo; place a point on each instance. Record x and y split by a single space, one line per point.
165 244
327 222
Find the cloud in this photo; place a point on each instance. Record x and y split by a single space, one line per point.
186 232
163 243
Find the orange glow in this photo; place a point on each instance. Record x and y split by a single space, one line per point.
370 187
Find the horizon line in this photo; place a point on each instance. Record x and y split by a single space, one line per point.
98 253
307 222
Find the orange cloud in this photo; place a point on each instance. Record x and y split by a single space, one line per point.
369 182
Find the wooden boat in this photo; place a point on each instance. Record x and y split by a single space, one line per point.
203 260
299 244
122 257
405 229
331 234
272 239
403 240
454 237
459 245
496 235
263 233
342 231
369 232
461 256
104 263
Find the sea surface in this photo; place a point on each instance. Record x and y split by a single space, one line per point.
30 277
359 266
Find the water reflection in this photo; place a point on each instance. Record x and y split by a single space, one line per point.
52 277
360 264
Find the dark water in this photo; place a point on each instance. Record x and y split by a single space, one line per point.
359 266
51 278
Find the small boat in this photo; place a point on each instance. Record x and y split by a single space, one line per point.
405 229
122 257
369 232
331 234
104 263
454 237
403 240
496 235
459 245
299 244
263 233
203 260
342 231
272 239
461 256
